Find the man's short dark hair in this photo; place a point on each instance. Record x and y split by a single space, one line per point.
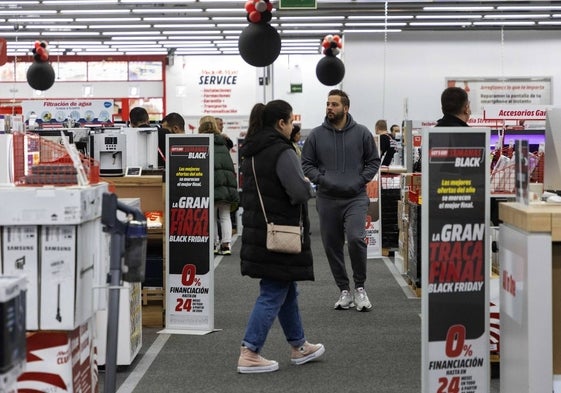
453 100
139 116
174 119
344 97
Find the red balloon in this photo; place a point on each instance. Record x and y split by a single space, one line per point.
339 45
336 38
250 6
255 16
269 6
326 44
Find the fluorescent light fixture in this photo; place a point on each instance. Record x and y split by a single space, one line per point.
165 10
230 25
134 46
379 17
157 1
11 3
516 16
241 10
184 32
436 16
56 27
550 23
309 18
241 19
305 32
194 37
528 8
80 53
148 33
458 8
74 43
505 23
188 44
177 19
19 11
440 24
39 20
74 33
96 11
145 52
73 2
375 24
128 19
347 31
132 38
112 43
175 32
123 26
312 24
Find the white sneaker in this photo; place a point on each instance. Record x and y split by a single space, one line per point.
345 301
361 299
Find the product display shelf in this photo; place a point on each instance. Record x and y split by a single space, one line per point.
151 192
530 297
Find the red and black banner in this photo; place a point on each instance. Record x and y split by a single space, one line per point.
456 284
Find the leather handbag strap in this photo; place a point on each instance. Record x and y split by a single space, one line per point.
258 191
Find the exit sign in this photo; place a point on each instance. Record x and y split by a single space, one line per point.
298 4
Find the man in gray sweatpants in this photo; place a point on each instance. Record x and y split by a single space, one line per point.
340 157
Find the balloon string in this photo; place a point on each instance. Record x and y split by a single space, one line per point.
384 66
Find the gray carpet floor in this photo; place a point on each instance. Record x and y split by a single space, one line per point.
378 351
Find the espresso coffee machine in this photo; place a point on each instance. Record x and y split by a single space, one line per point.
109 149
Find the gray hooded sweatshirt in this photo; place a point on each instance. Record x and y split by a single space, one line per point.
340 162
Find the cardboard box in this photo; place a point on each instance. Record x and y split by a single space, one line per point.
20 257
50 205
70 256
61 362
12 329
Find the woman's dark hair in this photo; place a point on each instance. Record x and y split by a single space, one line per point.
295 130
255 119
276 110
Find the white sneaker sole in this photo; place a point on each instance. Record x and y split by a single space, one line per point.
341 307
310 357
364 308
258 369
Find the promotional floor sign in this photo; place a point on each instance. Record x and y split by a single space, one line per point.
373 232
189 225
455 273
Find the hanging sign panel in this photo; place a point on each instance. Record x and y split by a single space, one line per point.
189 218
455 273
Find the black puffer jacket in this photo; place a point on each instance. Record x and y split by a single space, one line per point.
256 261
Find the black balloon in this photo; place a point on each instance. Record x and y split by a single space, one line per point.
330 70
259 44
41 76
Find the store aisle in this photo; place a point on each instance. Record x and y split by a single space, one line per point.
365 352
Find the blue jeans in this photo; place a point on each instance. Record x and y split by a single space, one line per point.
276 298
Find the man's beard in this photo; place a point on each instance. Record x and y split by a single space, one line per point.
335 117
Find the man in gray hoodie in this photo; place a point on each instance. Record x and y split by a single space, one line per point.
340 157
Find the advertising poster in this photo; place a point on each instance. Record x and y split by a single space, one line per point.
189 218
78 111
455 275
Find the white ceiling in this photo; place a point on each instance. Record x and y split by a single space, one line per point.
141 27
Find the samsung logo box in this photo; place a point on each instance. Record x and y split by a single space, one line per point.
20 257
12 329
69 256
50 205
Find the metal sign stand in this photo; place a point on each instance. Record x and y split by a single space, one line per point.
119 231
